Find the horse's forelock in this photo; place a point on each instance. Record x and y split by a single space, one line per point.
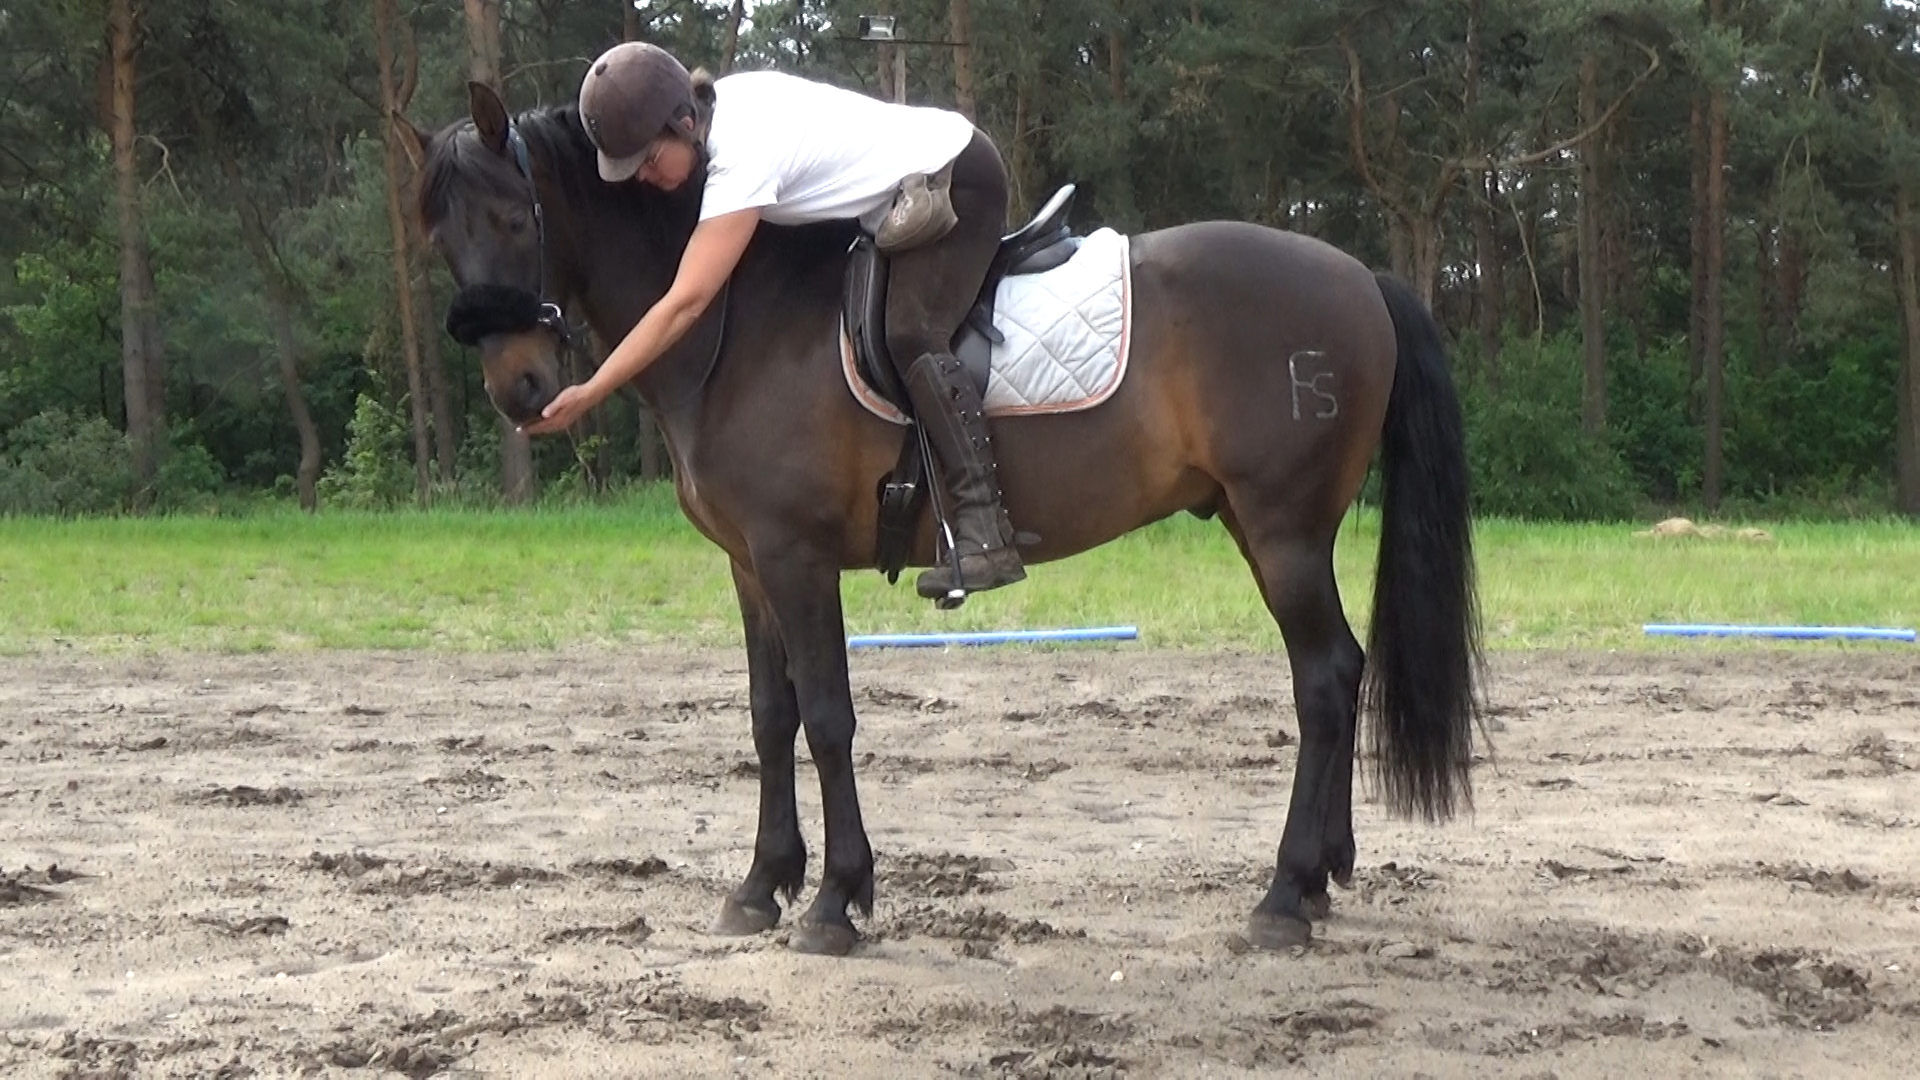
457 161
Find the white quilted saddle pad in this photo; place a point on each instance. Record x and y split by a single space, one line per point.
1066 331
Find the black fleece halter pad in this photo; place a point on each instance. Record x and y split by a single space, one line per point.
480 311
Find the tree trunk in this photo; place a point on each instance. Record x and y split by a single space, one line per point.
884 57
1697 246
1907 433
433 365
1713 358
960 29
1764 238
1423 234
518 481
629 21
1492 278
731 45
1790 285
383 19
1593 329
1018 205
1486 247
139 342
483 40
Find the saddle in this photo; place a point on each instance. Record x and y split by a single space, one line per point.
1042 244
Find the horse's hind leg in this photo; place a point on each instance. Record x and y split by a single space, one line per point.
1295 573
779 852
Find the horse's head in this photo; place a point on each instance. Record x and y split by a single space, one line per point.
481 209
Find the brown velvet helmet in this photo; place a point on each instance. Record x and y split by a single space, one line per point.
632 95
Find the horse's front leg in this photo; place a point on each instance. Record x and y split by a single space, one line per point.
803 591
779 853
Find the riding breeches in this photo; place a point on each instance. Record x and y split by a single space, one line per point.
931 289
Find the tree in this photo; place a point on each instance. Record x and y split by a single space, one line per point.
1712 212
392 95
143 364
960 32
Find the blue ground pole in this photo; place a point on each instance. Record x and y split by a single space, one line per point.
991 637
1854 633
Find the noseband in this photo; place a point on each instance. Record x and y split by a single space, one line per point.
482 310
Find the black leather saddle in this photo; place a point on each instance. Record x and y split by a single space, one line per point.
1040 245
1036 247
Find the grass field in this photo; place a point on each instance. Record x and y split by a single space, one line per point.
635 571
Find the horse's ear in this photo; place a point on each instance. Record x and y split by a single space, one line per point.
489 116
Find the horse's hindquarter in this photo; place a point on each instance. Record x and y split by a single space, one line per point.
1285 352
1255 354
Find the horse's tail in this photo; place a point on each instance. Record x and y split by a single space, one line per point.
1423 650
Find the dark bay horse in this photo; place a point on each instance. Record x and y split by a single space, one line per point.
1266 369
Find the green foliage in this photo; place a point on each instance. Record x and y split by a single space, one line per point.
64 465
187 477
1163 112
374 472
1529 456
1815 430
1647 419
59 348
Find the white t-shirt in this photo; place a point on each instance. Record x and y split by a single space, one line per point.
803 151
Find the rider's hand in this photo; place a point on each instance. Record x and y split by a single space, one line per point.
565 410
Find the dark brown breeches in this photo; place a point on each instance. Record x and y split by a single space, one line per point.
931 289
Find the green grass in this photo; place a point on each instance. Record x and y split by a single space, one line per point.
635 571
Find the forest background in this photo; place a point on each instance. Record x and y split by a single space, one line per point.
1675 244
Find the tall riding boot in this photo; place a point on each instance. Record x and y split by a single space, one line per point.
951 413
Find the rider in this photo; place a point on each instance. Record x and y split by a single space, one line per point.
924 182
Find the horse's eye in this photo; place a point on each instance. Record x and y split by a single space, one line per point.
517 221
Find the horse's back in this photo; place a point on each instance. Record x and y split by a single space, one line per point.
1236 258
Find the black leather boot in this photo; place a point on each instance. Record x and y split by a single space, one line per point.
950 411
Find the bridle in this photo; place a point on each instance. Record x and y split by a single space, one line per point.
551 316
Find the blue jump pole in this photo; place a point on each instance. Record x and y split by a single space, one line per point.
991 637
1855 633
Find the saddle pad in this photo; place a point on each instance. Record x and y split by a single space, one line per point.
1067 332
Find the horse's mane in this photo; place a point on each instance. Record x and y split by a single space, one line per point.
558 140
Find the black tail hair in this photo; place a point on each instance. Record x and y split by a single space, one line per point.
1423 648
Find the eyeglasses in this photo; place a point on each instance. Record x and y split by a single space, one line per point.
653 154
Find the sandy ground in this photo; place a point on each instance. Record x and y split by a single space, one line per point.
505 866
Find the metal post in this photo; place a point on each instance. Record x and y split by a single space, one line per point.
900 74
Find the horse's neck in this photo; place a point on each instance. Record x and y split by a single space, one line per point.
622 262
629 269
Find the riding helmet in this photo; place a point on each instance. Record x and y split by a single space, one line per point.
632 95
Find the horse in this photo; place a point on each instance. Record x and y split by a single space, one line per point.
1266 369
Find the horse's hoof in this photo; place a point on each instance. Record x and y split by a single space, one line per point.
1343 877
1318 905
1265 930
739 920
823 939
